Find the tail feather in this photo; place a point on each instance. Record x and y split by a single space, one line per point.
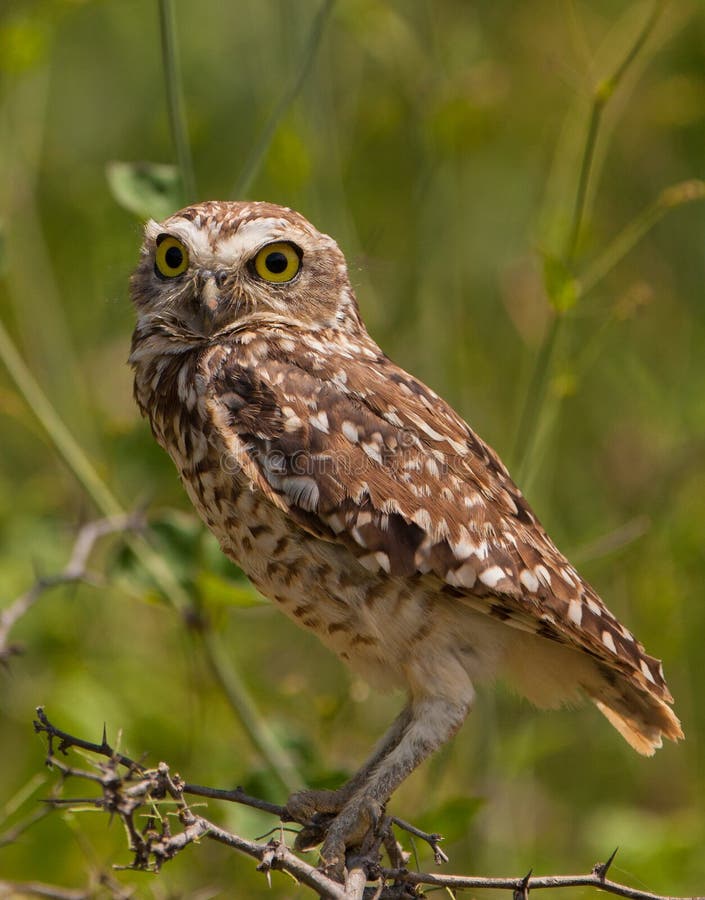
550 674
641 718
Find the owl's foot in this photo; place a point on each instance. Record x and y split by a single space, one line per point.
315 810
334 818
358 819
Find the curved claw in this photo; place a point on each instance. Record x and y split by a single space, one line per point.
313 834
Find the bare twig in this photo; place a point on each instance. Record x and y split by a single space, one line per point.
531 883
130 795
100 887
67 741
75 570
41 889
138 794
356 880
432 839
11 835
235 796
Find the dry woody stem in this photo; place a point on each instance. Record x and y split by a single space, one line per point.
160 824
76 570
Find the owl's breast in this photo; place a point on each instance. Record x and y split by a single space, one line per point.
369 619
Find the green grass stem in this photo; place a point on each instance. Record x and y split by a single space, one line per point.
175 100
240 700
237 694
234 688
62 438
603 92
533 408
631 234
261 146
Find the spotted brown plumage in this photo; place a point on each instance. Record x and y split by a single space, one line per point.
358 500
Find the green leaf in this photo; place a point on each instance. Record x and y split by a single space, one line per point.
150 190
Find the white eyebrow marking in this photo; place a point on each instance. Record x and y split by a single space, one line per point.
206 246
196 239
250 236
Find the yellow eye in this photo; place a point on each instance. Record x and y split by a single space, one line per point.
278 262
171 258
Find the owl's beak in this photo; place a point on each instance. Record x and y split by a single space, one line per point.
210 297
209 293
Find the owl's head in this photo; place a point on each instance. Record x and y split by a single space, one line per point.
216 266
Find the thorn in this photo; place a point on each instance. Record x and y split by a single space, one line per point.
522 892
439 856
105 735
601 869
271 831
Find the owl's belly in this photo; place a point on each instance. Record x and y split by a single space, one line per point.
379 625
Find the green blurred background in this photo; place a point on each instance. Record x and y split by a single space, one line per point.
440 143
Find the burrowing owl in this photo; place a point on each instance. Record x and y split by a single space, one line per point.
356 499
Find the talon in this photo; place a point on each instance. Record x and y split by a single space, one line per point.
312 835
333 859
335 870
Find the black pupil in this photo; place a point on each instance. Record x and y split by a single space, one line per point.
276 262
173 257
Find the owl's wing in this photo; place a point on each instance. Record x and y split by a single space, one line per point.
356 450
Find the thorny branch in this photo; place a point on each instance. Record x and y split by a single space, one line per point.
156 799
75 570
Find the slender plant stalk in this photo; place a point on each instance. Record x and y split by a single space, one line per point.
602 94
238 697
534 403
671 198
10 807
83 469
259 150
535 399
64 441
227 676
237 694
598 106
175 99
533 410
